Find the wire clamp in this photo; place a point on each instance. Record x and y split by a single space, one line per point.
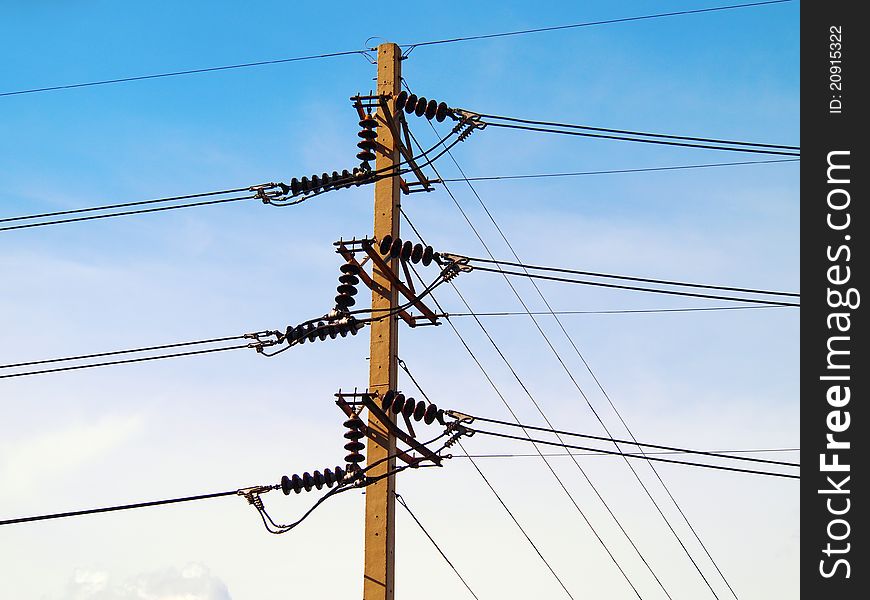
271 192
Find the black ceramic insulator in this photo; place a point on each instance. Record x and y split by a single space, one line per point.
429 415
295 187
400 100
385 244
349 269
368 122
353 434
322 330
387 400
343 301
419 411
428 254
398 403
407 249
421 107
350 280
347 289
417 253
367 134
408 409
431 109
366 145
441 112
365 155
396 248
411 103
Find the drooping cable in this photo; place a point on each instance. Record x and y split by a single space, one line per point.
487 36
635 288
634 442
534 402
664 136
541 455
705 286
623 138
589 404
646 457
404 504
623 171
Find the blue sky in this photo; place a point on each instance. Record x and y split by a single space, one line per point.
714 380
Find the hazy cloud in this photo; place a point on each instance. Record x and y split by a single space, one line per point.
193 582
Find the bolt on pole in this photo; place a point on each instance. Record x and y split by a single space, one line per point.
380 515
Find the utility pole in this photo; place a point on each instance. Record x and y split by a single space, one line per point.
380 538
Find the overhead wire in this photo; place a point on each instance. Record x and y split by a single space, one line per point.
705 286
571 377
622 311
646 457
469 38
408 46
622 171
623 138
631 442
404 505
543 458
666 136
638 288
598 454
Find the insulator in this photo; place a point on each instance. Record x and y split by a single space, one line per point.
295 483
332 330
405 253
349 269
305 185
417 253
315 183
408 409
398 402
428 254
385 244
400 100
347 289
349 325
354 433
365 155
366 144
387 400
311 332
346 179
348 280
441 112
326 181
419 411
368 122
295 187
322 330
396 248
368 134
411 103
429 415
344 301
431 109
421 107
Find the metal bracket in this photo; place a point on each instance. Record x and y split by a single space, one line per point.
381 416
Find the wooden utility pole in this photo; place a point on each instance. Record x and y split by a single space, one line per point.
380 538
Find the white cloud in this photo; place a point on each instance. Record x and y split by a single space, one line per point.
192 582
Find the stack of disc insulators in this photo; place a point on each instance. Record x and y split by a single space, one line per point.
353 435
308 481
405 251
325 182
410 408
368 135
423 108
323 329
346 289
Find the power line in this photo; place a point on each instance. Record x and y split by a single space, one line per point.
574 381
434 543
178 73
606 312
637 288
619 171
598 454
638 456
121 205
409 46
126 213
633 442
634 278
104 509
628 132
591 23
537 406
642 140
